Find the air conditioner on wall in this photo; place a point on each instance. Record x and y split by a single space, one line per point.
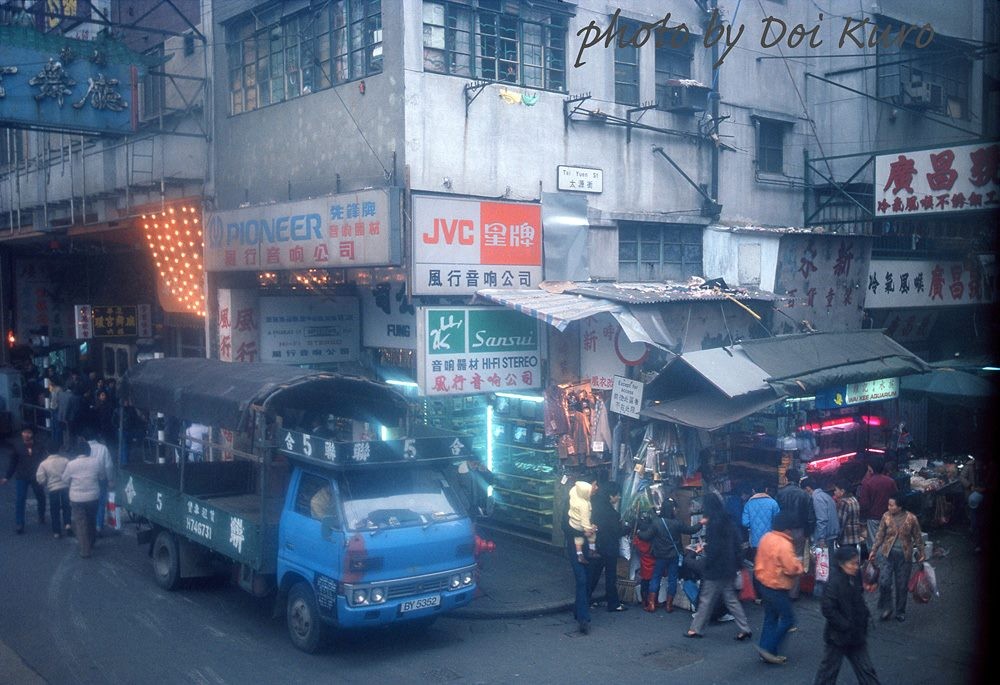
924 95
685 95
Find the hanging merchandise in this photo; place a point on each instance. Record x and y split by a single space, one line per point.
601 437
556 414
529 99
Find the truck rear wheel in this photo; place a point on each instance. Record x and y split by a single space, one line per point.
304 625
166 561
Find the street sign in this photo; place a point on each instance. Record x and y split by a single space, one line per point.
626 397
580 179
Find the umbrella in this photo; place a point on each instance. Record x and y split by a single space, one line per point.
951 386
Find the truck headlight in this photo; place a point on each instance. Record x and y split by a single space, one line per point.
467 578
359 597
455 581
376 595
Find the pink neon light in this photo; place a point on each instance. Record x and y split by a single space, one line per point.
840 458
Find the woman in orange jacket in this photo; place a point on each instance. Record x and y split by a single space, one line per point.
776 568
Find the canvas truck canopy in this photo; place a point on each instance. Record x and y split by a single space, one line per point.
220 393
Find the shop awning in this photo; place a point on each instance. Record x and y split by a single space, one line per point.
561 309
708 409
801 364
728 369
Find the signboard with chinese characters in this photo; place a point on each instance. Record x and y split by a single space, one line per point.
626 397
238 326
309 330
821 279
461 245
960 178
580 179
83 316
327 452
872 391
51 82
350 229
36 305
605 351
896 283
114 321
387 317
467 350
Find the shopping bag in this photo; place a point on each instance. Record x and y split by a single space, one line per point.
931 578
870 575
821 561
747 592
112 514
625 547
920 586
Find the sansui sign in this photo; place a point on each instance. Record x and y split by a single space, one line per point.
462 245
463 350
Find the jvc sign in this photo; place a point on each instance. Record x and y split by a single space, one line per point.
462 245
463 350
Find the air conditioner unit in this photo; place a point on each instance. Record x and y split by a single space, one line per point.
924 95
685 95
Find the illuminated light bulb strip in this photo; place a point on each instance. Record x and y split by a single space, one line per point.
178 257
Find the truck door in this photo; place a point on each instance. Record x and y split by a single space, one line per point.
311 538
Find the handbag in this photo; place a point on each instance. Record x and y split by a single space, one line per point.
747 593
680 557
822 563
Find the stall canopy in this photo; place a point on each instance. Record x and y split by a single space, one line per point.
710 388
219 393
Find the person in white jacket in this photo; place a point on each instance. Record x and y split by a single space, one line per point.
50 477
84 474
101 452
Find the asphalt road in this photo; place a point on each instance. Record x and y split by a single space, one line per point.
103 620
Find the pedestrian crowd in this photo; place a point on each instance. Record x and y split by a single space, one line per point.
777 534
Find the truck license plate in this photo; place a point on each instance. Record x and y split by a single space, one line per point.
423 603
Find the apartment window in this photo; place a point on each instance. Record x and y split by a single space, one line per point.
771 146
934 78
506 41
153 90
658 252
626 67
275 57
671 64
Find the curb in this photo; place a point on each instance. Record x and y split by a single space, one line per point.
516 612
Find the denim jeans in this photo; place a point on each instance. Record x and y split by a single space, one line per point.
59 510
671 568
778 618
608 563
581 606
21 499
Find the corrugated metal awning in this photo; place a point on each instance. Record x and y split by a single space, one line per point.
728 369
709 410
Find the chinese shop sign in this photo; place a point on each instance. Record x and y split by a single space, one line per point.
309 330
462 245
605 351
387 317
51 82
955 179
116 321
626 397
467 350
350 229
857 393
238 326
897 283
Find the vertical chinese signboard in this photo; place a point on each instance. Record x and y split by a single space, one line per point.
960 178
350 229
821 279
465 350
238 326
461 245
605 351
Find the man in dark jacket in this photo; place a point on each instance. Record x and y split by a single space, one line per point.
609 532
27 454
664 533
794 501
847 617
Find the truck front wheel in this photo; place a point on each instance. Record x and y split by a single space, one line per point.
166 561
304 625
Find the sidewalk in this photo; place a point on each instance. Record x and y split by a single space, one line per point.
521 578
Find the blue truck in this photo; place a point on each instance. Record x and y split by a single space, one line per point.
315 487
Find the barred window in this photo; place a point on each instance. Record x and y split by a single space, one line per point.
626 66
506 41
658 252
671 63
274 57
771 145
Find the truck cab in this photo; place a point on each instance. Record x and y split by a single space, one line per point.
351 523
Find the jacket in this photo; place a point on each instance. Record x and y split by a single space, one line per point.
776 565
609 525
876 490
23 465
83 475
852 530
50 472
646 560
793 500
722 551
758 515
903 526
579 508
656 533
827 522
845 610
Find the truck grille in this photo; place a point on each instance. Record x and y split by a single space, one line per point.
418 587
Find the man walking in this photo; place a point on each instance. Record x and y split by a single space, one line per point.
853 532
758 518
24 460
846 631
876 489
777 568
799 506
827 524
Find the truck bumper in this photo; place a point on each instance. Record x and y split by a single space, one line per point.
391 611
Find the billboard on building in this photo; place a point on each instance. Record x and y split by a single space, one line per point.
460 245
309 330
898 283
350 229
960 178
468 350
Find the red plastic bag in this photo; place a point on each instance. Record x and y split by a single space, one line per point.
920 586
747 592
869 576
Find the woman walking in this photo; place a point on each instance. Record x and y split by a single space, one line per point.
83 474
897 539
50 476
664 534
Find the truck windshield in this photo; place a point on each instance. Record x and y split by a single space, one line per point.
392 498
